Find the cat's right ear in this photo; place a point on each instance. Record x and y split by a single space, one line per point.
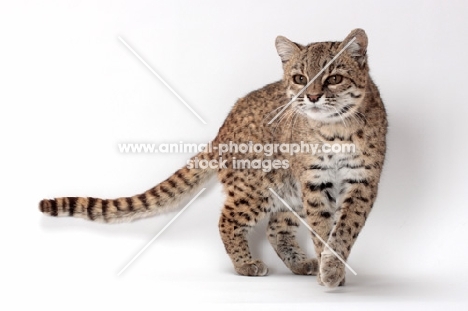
286 48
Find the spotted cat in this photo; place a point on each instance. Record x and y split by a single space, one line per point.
316 102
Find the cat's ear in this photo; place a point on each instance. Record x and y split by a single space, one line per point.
357 49
286 48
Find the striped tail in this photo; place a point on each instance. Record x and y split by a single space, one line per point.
164 197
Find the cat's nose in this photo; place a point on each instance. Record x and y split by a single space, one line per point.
314 98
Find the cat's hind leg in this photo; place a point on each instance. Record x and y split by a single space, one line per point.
241 212
281 234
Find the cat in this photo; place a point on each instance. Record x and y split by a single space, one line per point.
332 192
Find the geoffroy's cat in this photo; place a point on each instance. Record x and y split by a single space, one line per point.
332 191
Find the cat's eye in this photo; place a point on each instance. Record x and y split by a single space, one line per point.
335 79
300 79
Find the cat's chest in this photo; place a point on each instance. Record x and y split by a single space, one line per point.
325 169
335 167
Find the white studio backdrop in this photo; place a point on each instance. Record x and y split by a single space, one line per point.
70 92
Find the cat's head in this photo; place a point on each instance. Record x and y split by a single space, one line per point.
335 93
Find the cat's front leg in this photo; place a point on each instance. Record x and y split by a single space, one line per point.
354 207
319 213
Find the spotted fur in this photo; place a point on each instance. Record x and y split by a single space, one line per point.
334 193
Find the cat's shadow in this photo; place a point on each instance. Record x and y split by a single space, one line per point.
392 287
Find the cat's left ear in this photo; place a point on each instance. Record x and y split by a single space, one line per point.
357 49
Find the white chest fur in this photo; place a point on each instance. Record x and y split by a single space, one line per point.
334 168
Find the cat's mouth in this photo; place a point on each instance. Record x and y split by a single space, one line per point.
316 112
315 109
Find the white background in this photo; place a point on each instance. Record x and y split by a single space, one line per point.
70 91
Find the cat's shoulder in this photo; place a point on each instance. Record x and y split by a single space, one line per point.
262 97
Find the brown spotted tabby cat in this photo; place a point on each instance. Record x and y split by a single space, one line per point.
333 192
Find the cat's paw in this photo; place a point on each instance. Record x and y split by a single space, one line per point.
254 268
332 271
319 280
305 267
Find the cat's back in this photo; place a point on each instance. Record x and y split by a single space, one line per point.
259 101
249 117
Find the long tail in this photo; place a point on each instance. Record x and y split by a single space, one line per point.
164 197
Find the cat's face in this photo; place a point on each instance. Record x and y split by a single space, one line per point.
336 93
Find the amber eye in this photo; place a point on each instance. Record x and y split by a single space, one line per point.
335 79
300 79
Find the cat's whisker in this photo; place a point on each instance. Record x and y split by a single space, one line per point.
285 117
292 116
273 111
354 117
293 122
361 116
279 120
351 117
277 123
293 113
342 119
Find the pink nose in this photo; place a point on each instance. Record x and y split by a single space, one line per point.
314 98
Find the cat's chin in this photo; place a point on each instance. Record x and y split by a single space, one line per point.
318 115
324 117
